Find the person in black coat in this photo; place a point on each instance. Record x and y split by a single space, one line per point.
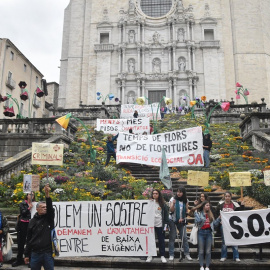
38 241
135 114
207 145
23 221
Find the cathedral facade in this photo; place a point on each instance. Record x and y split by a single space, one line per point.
157 48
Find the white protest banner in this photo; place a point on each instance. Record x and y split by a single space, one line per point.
114 126
47 153
148 111
267 177
110 228
30 183
246 227
183 148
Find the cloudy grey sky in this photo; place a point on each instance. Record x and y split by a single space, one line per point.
35 27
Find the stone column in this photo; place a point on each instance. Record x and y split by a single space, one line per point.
119 90
169 55
139 33
169 31
143 57
139 59
119 60
173 31
124 32
123 91
174 91
192 30
124 66
120 33
193 57
190 88
170 90
174 49
189 59
143 88
195 87
138 88
188 34
143 32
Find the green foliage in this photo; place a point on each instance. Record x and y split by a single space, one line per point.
100 172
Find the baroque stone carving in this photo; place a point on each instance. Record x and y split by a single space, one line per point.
131 36
131 65
156 64
181 34
182 64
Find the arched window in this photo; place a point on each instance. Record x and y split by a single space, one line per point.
156 8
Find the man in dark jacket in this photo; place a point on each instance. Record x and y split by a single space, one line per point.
39 244
110 148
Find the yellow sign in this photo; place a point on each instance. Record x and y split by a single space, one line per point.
267 178
47 153
198 178
240 179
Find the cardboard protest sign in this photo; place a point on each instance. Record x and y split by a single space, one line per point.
246 227
47 153
198 178
182 148
267 177
31 182
148 111
114 126
240 179
110 228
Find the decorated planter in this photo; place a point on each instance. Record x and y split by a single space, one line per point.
9 112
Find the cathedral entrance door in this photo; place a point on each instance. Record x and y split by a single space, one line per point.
156 96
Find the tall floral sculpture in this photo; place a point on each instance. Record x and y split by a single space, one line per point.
141 101
240 90
64 121
109 96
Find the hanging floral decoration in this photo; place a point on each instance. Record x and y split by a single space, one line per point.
240 90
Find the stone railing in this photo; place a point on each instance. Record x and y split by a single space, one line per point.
209 44
256 126
104 47
22 161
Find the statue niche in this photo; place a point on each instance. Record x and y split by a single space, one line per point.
131 65
131 36
182 63
181 35
156 65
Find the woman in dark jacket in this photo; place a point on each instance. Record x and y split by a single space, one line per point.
24 217
3 232
161 218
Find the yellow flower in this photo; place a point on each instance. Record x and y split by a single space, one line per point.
192 103
140 100
167 101
64 120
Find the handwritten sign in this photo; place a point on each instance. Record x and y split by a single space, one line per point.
31 182
240 179
114 126
267 177
110 228
148 111
246 227
47 153
182 148
198 178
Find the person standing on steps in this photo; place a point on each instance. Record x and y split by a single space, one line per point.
110 148
135 114
161 218
38 240
204 219
228 205
207 145
3 233
178 213
23 222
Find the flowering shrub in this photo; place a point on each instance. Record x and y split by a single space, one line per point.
167 194
61 179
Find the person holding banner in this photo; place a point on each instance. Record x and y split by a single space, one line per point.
228 205
38 241
161 218
23 221
110 148
178 213
204 219
207 145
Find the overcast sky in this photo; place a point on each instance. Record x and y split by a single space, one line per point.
35 27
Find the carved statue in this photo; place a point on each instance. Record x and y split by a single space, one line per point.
156 65
131 65
131 36
181 35
182 64
156 37
130 99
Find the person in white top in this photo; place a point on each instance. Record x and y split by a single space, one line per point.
161 218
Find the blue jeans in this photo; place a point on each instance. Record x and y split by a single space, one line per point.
224 247
172 236
161 240
206 155
42 259
204 245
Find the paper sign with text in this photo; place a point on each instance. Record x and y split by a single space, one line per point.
182 148
198 178
108 228
114 126
148 111
30 183
47 153
267 177
246 227
240 179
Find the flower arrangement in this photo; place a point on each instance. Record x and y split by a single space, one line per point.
240 90
110 96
